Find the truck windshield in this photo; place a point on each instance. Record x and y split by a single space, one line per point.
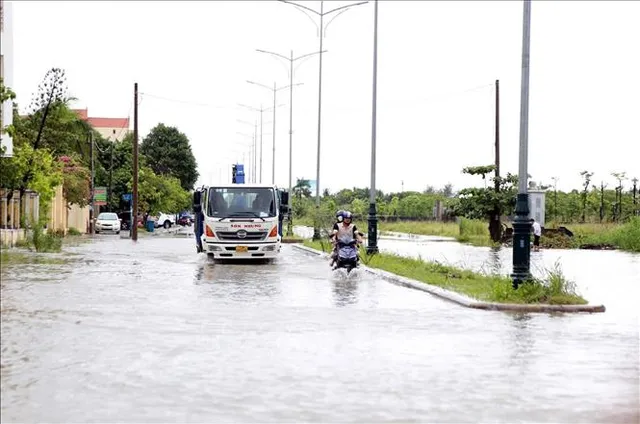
241 202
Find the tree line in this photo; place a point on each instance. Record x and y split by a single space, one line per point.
591 203
52 148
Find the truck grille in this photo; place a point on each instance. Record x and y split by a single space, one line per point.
233 235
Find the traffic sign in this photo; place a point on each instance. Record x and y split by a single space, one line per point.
100 196
126 197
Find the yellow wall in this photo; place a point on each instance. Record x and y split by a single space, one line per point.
63 218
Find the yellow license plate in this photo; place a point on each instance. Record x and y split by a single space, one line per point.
242 248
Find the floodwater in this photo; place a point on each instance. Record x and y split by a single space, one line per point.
151 332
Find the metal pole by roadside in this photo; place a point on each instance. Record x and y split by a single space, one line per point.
92 212
289 207
134 221
372 239
522 225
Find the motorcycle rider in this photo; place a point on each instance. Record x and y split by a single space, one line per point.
339 215
348 228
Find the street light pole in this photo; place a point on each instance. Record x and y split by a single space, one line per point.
261 144
321 29
273 145
255 150
521 224
275 89
316 223
372 238
261 110
252 152
291 59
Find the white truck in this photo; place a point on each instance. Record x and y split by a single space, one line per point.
239 221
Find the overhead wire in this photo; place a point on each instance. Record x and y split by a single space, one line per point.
186 102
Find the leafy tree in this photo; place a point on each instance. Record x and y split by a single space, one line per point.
359 207
45 174
447 191
5 94
76 181
51 91
159 193
302 188
586 175
167 152
122 175
482 203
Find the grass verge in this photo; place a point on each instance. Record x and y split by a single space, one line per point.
468 231
554 289
619 236
10 257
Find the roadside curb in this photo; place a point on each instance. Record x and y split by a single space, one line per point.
463 300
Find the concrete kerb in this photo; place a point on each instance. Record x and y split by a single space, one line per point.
463 300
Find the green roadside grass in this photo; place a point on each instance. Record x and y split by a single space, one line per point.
476 233
554 289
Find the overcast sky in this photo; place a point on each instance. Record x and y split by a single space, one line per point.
436 70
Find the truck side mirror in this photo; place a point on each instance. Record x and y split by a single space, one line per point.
197 206
284 198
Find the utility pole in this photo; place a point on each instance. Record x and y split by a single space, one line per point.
495 226
555 197
111 172
602 200
261 135
635 190
372 221
521 225
134 194
92 212
497 153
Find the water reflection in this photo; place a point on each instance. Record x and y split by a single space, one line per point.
345 292
240 282
521 341
205 272
494 261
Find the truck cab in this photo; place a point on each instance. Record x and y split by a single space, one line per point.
239 221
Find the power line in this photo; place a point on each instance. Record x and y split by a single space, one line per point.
183 101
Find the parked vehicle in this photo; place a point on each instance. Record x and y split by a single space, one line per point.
239 221
186 219
125 220
165 220
108 222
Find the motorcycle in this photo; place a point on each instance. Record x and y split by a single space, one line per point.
347 254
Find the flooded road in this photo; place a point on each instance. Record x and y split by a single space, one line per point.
112 331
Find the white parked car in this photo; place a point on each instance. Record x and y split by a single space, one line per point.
165 220
108 222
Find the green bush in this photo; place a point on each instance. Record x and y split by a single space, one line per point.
45 242
73 232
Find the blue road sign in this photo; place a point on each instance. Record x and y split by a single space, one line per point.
126 197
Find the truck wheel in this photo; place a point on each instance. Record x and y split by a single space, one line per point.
167 224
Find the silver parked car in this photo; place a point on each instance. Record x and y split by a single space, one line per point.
108 221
